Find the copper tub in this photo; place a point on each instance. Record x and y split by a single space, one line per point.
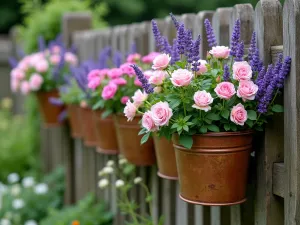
106 134
130 142
75 120
88 127
166 160
214 171
49 112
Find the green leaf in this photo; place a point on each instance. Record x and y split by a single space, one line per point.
186 141
161 220
174 126
174 103
181 64
187 118
106 113
149 198
99 104
214 72
186 128
277 108
145 138
225 113
207 121
213 116
251 114
259 128
250 123
213 128
203 129
227 126
142 131
233 127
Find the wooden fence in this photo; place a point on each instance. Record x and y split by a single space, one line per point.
274 179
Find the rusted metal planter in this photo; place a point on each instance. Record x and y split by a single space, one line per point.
74 120
106 134
166 160
130 142
49 112
88 127
214 171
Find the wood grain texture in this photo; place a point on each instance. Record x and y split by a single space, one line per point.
268 22
278 179
291 32
220 23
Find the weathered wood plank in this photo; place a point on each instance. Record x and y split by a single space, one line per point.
291 32
220 23
275 50
278 179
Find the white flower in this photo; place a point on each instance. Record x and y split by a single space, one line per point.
18 203
108 170
5 222
3 188
13 178
122 161
41 189
15 190
101 173
28 182
110 163
137 180
30 222
119 183
103 183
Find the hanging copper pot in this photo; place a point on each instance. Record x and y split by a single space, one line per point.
74 120
88 126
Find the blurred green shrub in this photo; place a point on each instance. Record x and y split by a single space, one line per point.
44 19
86 212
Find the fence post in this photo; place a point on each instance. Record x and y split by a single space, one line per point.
291 37
268 208
221 21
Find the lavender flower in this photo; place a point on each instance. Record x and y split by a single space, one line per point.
195 54
284 71
12 62
181 39
263 82
255 63
167 47
157 35
60 65
252 47
20 52
240 52
260 77
226 74
175 56
62 116
103 57
145 84
55 101
235 38
175 21
211 38
117 59
189 46
42 44
133 48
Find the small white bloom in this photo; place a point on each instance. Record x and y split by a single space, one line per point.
110 163
101 173
13 178
18 203
28 182
3 188
137 180
108 170
15 190
5 222
30 222
41 189
120 183
122 161
103 183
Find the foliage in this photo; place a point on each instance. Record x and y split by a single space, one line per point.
18 146
45 19
86 212
29 200
70 93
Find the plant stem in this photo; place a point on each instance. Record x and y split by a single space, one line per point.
150 202
182 99
131 211
274 97
256 119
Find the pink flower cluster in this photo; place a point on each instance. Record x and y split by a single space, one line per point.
131 108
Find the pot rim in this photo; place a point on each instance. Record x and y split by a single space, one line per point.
218 134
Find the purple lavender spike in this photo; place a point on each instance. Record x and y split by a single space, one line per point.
167 47
195 54
175 21
284 71
133 48
73 49
117 59
260 77
20 52
55 101
235 38
57 70
175 56
189 46
62 116
226 75
211 38
12 62
157 36
181 39
264 82
240 52
145 84
42 43
104 55
252 47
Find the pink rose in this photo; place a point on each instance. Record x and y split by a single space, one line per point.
124 99
150 57
181 77
157 89
137 82
247 90
202 67
17 74
114 73
148 73
133 58
202 100
71 58
14 85
139 97
130 111
103 72
55 49
42 66
109 91
25 87
238 114
55 59
94 74
157 77
83 104
161 62
148 122
127 69
242 71
161 113
36 81
119 81
220 52
225 90
94 83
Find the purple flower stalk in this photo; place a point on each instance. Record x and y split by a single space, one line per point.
240 52
55 101
189 46
103 57
284 71
62 116
117 59
256 63
263 83
12 62
175 21
167 47
145 84
252 47
133 48
195 54
235 38
260 77
226 74
42 43
175 56
157 35
211 38
181 39
60 65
